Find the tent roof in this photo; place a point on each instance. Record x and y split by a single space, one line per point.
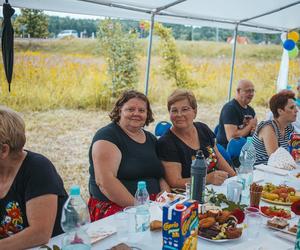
216 13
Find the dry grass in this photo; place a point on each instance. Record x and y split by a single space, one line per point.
64 136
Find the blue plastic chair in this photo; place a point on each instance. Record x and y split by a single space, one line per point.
234 147
224 153
162 127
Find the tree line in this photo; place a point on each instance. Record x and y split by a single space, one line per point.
36 24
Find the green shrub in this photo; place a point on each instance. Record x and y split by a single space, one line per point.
120 52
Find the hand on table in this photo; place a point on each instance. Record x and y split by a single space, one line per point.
217 177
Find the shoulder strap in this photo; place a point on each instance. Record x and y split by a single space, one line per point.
274 124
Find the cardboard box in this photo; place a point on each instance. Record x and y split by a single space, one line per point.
294 146
180 225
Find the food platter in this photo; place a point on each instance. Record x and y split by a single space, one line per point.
285 230
276 202
280 195
217 241
287 212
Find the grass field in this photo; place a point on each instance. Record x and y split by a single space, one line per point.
72 73
60 88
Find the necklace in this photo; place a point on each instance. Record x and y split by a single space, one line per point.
138 136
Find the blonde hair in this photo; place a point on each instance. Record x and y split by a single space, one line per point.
12 129
182 94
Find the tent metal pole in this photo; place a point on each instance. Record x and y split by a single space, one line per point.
232 61
149 54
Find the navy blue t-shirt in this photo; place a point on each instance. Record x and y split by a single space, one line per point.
233 113
172 149
139 161
36 177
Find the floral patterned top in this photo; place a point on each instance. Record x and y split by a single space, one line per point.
173 149
36 177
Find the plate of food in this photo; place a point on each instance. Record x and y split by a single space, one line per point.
216 241
280 195
273 211
218 226
281 224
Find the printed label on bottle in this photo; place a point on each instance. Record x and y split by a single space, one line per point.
243 182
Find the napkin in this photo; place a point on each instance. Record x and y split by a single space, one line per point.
271 169
282 159
100 233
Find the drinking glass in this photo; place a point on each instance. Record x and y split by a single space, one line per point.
121 221
234 191
253 222
133 236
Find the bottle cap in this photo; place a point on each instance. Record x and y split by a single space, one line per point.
141 185
199 154
249 139
75 190
179 206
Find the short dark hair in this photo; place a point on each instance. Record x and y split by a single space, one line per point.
182 94
125 97
280 100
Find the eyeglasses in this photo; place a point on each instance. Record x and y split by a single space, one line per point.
249 91
132 110
182 111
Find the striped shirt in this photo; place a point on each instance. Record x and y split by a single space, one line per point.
261 152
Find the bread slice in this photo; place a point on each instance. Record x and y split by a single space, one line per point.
278 223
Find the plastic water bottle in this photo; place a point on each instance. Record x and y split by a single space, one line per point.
297 243
75 215
245 171
198 177
142 216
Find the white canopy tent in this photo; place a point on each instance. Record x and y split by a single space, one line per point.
264 16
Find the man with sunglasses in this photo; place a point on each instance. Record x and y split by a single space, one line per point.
237 118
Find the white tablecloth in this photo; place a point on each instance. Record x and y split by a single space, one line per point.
267 239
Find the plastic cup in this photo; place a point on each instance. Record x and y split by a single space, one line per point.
133 237
121 222
253 224
234 191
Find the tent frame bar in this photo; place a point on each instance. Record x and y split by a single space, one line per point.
159 11
224 21
235 39
156 11
270 12
232 61
149 54
119 6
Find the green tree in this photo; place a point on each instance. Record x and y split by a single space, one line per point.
32 22
120 50
173 68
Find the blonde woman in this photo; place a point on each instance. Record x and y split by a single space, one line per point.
31 191
177 148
